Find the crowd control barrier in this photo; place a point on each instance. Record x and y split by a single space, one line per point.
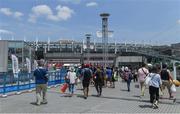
26 81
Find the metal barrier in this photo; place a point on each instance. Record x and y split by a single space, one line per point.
26 81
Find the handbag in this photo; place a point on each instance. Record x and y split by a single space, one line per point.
173 88
147 80
63 88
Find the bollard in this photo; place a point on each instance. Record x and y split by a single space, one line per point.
4 86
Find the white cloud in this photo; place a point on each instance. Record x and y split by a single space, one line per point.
71 1
6 11
42 10
63 13
2 31
178 21
9 12
18 15
91 4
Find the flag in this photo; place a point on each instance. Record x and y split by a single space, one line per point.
45 51
72 43
48 43
28 63
15 65
35 65
36 43
84 45
115 47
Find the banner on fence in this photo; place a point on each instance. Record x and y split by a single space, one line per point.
15 65
28 64
35 65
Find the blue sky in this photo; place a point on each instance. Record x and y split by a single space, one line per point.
133 21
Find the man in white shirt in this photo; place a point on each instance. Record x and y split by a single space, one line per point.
71 76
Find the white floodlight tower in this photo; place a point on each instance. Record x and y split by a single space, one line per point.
104 17
88 36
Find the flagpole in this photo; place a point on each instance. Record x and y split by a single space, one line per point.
36 43
94 45
48 43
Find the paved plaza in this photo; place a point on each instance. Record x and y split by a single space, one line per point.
117 100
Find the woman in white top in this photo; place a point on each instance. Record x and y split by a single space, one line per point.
154 85
71 76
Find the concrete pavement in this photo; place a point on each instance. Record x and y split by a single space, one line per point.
117 100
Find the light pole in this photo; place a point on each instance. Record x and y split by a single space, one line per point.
88 36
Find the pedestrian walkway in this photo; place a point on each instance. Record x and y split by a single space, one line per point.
117 100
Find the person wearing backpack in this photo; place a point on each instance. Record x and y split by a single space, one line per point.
109 74
86 78
98 79
127 77
41 80
166 77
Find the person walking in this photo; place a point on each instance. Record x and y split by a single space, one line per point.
41 80
142 73
71 76
154 85
127 77
114 76
109 76
135 75
98 79
86 78
166 77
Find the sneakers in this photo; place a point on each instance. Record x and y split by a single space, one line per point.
38 104
44 102
85 97
174 101
155 105
171 97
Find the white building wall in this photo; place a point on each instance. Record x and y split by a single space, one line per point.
3 56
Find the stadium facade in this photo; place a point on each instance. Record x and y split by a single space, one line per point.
73 52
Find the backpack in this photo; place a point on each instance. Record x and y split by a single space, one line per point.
87 75
165 75
99 75
127 76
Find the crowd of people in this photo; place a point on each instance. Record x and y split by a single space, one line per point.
158 77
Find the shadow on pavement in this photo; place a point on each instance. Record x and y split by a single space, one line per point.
145 106
137 96
33 103
80 89
127 99
124 90
66 95
80 96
